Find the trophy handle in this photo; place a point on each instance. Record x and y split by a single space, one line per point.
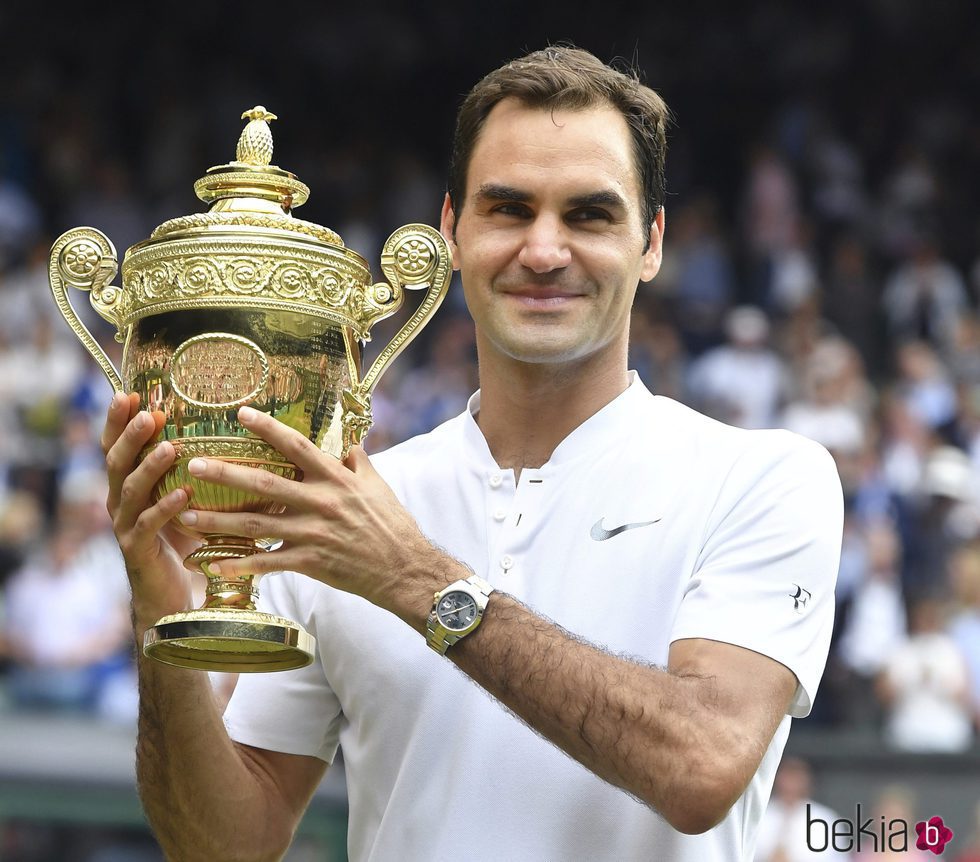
414 256
85 258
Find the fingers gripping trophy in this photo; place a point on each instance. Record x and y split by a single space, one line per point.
245 304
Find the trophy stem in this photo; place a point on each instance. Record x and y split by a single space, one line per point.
227 633
239 592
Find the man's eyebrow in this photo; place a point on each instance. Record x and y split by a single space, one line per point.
604 198
495 192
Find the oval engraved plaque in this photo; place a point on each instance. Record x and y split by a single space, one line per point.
218 370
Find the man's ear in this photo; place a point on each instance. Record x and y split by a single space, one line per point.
654 254
447 226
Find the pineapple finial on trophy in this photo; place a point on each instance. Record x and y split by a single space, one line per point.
255 143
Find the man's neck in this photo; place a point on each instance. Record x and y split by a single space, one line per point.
527 410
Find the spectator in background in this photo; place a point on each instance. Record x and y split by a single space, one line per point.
81 411
904 445
867 494
80 452
20 220
924 386
852 298
964 628
834 400
869 504
924 686
946 516
771 212
67 629
21 530
742 382
700 279
836 177
439 388
26 296
969 849
37 377
849 379
895 803
793 278
783 830
86 400
875 626
909 201
964 362
925 297
968 427
799 335
657 353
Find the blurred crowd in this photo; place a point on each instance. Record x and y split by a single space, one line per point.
797 827
821 273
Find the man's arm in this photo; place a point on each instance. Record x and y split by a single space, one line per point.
685 740
206 797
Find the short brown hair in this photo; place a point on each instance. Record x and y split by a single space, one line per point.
566 77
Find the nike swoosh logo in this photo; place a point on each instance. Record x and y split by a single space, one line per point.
600 533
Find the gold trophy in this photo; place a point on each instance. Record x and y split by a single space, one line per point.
245 304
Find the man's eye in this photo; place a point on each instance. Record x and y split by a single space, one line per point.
588 214
511 210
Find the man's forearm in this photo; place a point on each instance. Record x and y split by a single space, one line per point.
201 798
657 735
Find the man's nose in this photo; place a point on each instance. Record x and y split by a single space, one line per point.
545 245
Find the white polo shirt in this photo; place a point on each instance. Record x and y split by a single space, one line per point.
731 535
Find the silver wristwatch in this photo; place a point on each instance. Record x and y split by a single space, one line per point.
456 612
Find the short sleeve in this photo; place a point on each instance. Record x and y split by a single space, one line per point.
294 711
765 577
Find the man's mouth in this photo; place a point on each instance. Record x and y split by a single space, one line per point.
543 296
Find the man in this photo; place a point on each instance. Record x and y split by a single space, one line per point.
689 566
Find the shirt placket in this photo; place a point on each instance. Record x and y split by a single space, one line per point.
512 517
499 494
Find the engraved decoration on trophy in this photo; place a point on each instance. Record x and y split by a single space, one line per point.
245 304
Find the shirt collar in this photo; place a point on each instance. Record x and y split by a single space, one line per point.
594 433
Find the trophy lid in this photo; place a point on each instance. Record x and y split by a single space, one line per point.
248 252
250 191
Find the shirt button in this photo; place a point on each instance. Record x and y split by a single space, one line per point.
506 562
499 514
496 480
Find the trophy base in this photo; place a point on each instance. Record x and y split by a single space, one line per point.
233 641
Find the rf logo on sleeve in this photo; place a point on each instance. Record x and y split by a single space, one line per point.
800 598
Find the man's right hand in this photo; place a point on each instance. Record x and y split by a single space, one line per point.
153 548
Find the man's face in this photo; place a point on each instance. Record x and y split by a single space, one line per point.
549 238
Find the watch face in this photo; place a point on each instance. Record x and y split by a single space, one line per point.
456 610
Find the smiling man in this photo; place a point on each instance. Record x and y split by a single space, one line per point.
618 575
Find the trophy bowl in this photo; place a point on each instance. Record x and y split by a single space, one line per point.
245 304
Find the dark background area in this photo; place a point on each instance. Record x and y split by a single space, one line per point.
358 85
